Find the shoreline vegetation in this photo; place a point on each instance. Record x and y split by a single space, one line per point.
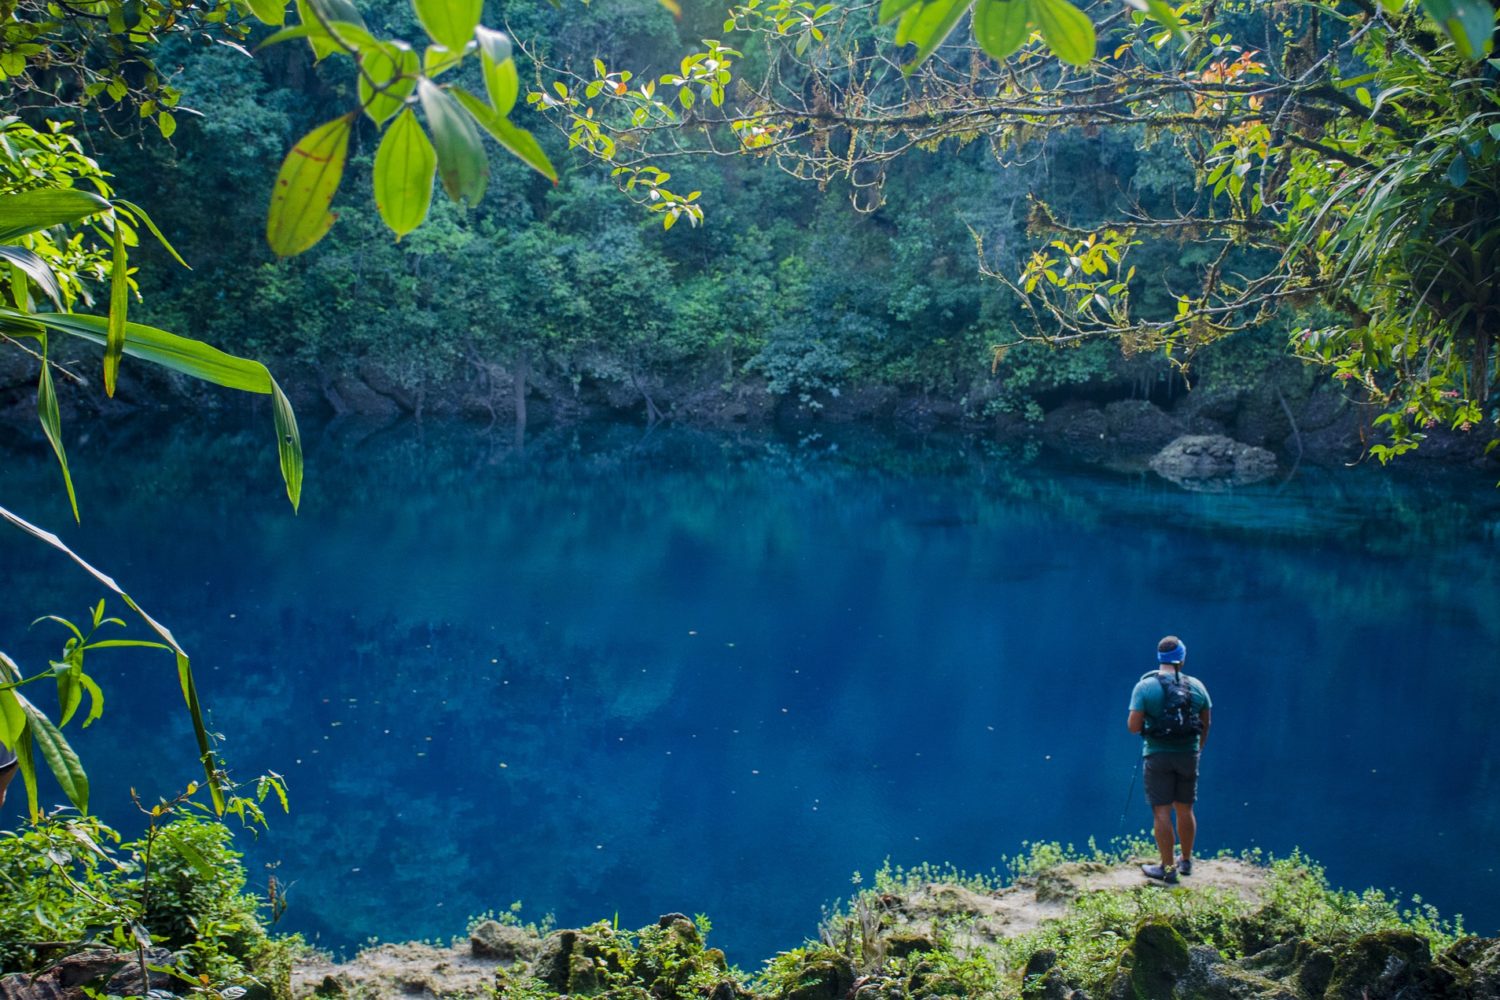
1054 923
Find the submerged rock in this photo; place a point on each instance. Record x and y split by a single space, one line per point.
1213 462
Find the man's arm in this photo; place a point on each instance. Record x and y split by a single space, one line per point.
1206 718
1137 721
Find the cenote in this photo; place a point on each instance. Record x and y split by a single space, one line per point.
621 673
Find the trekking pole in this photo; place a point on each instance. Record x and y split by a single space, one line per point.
1129 794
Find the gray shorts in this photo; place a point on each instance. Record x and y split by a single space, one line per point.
1171 777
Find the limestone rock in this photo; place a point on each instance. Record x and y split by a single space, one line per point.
903 944
830 977
1212 462
1160 959
100 969
502 942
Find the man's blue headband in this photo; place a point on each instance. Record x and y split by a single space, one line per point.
1173 655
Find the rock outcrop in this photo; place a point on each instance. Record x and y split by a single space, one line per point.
1212 462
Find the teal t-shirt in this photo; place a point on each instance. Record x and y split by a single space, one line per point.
1148 696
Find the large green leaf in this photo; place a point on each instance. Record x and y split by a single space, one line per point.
191 357
405 165
514 138
272 12
892 9
1470 23
1001 26
928 26
119 302
462 164
30 211
1067 30
393 67
36 269
305 186
46 411
139 214
450 23
501 81
59 756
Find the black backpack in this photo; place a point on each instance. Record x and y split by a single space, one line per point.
1178 720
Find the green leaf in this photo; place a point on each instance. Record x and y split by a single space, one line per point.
191 357
1470 23
450 23
119 302
1000 26
31 211
495 44
12 718
305 187
439 59
196 860
514 138
46 411
316 35
464 168
892 9
36 269
59 756
1163 12
272 12
1067 30
96 698
288 444
928 26
69 694
405 165
140 213
200 731
1458 171
394 68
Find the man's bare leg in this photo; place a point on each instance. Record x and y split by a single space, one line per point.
1161 826
5 776
1187 827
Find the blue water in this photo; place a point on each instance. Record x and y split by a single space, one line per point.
632 674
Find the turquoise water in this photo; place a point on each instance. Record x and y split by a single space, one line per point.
631 674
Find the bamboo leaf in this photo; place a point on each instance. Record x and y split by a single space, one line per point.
462 164
96 698
47 413
288 445
405 165
450 23
140 213
1000 26
36 269
1067 30
514 138
305 187
119 301
200 732
31 211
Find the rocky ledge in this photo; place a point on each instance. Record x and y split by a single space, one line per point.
1230 932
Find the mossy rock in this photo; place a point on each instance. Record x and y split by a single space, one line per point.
930 979
1391 965
1477 962
1160 960
904 944
827 977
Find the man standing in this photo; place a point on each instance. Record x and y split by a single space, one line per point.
1172 711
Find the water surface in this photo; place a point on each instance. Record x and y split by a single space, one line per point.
618 673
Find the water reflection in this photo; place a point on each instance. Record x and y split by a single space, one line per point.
614 673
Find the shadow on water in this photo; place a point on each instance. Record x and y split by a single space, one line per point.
624 672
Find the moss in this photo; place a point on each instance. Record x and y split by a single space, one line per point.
1161 960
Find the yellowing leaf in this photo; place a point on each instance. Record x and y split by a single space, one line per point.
305 187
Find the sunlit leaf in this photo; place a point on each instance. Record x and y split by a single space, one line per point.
140 213
30 211
892 9
462 164
36 269
517 140
271 12
450 23
405 165
305 187
393 67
